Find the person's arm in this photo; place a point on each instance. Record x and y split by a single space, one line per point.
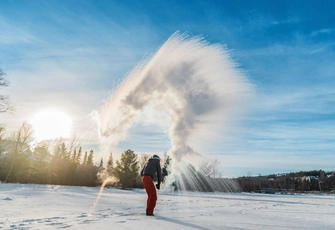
159 173
158 170
142 171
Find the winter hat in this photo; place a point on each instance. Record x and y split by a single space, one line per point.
156 157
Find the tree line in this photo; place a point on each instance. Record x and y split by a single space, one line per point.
20 162
63 163
303 181
69 164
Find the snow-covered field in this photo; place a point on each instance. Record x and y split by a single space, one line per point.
57 207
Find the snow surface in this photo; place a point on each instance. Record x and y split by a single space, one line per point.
56 207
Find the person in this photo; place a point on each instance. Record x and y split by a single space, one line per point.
148 173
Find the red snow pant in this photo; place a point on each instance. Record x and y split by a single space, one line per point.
152 194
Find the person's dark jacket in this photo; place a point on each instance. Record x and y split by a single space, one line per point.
151 168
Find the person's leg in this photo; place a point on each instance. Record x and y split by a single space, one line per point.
146 184
153 199
152 194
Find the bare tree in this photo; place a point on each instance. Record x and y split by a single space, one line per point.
5 105
73 143
143 160
2 132
20 140
216 172
211 168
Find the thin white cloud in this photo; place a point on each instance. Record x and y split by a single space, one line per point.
14 33
299 99
290 20
288 50
272 163
325 31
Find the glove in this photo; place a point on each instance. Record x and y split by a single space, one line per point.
158 186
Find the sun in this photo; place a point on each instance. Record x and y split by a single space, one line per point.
51 124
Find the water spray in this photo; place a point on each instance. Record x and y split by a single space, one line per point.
194 82
106 181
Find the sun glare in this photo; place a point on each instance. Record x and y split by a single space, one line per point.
51 124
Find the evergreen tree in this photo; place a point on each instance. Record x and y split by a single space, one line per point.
91 170
74 156
90 158
64 154
85 158
59 164
101 165
78 159
73 168
110 165
127 169
40 165
87 172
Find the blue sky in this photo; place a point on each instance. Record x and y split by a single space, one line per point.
69 55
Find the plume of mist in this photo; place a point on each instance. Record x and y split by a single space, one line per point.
196 84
